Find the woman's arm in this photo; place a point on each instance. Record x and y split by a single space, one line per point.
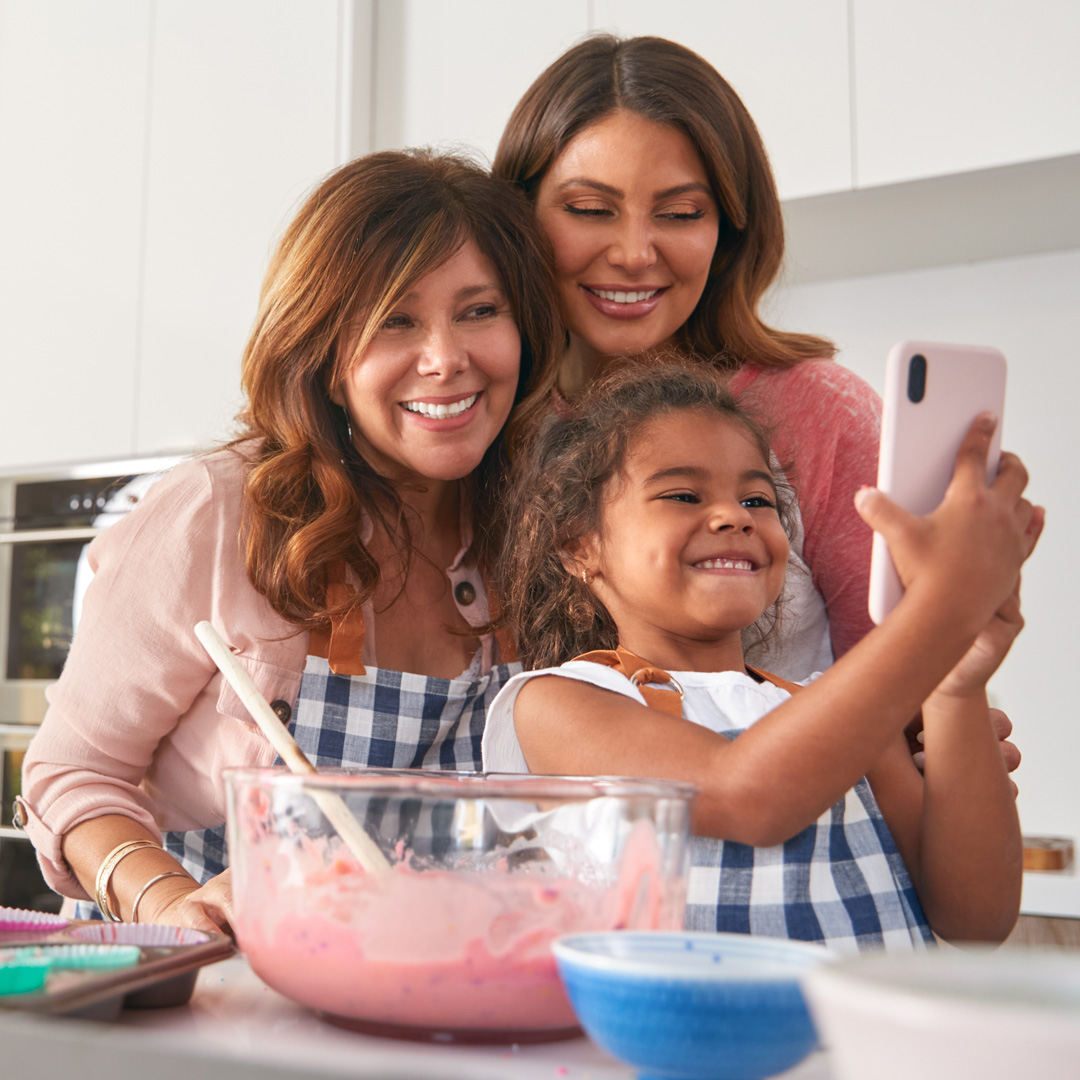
134 672
148 876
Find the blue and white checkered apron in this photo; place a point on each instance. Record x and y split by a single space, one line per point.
391 719
386 719
840 881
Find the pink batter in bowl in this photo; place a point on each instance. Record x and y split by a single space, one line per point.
454 942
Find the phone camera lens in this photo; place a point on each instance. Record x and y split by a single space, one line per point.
916 379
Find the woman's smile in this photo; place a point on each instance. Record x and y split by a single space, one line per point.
442 408
624 303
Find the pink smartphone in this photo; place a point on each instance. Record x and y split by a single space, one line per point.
932 394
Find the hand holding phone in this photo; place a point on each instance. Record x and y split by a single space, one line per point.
933 392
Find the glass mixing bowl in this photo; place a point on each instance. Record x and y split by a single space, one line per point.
453 941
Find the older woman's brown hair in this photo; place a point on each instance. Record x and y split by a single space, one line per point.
359 243
669 84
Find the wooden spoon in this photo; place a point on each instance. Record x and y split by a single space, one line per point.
329 802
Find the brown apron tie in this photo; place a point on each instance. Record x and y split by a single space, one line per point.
640 672
342 645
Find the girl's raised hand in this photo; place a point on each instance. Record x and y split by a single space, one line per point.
965 556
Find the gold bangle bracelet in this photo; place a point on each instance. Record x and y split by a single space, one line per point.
105 872
153 881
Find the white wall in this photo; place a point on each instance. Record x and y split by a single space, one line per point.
1030 309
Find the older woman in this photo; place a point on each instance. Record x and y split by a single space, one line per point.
341 545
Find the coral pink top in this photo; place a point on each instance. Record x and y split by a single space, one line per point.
827 424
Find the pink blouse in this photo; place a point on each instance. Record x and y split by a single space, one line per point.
141 722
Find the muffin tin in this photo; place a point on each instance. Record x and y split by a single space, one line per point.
93 969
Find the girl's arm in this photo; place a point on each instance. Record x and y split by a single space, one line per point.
959 564
957 826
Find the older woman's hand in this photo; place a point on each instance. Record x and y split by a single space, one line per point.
177 901
1010 752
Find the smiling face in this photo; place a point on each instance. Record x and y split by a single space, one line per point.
691 549
433 389
631 217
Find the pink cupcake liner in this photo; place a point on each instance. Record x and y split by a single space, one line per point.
139 934
22 920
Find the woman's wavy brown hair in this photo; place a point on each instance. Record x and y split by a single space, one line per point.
558 491
669 84
360 242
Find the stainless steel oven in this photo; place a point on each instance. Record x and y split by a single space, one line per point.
47 519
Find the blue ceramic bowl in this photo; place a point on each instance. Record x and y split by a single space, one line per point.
692 1006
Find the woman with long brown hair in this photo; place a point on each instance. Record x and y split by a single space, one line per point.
341 545
652 183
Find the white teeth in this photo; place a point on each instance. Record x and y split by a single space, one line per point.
625 297
441 412
725 564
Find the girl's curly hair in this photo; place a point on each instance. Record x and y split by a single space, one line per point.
556 496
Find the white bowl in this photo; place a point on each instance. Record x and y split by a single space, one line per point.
975 1012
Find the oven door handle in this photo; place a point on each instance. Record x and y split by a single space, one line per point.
44 536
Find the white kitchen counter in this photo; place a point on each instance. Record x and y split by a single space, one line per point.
237 1028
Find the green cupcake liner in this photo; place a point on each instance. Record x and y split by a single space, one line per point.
22 974
98 957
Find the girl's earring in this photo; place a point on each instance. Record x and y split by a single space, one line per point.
348 423
585 576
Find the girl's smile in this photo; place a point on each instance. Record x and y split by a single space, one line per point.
691 549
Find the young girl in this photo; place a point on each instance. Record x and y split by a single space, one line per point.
652 522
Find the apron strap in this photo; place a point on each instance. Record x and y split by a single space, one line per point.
342 645
769 677
640 672
505 638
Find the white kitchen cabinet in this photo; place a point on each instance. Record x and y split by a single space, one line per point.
786 59
946 86
152 152
449 72
246 106
73 119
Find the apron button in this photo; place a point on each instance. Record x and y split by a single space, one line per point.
464 593
282 709
18 814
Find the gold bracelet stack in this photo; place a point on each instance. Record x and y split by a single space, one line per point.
105 873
